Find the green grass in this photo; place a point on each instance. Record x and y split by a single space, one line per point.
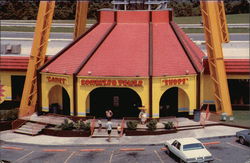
231 30
31 29
231 19
89 21
241 118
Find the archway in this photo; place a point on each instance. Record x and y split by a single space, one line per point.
59 101
124 102
174 102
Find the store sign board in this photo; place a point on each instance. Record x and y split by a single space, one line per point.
174 81
56 79
107 82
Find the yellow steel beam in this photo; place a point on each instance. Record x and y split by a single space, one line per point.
80 18
223 22
212 29
37 58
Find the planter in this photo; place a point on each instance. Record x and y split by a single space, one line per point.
65 133
5 125
142 132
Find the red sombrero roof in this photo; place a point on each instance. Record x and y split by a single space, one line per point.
129 44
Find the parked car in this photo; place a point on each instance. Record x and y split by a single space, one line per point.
243 136
189 150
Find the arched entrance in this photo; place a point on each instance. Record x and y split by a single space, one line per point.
174 102
59 101
124 102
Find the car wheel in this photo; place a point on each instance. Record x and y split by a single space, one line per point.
181 161
242 140
167 150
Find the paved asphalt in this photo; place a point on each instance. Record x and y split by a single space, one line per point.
29 35
227 150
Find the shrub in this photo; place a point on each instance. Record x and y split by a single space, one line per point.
132 125
86 126
67 125
169 125
79 125
152 124
6 115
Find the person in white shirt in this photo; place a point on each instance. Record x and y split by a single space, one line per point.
143 116
109 129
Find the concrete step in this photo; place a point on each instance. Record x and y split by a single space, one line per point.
189 127
19 131
104 134
30 128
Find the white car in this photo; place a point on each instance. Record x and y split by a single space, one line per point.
188 150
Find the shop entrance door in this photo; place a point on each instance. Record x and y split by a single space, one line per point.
239 93
124 102
59 101
169 103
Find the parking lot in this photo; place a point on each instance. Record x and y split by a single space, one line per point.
223 150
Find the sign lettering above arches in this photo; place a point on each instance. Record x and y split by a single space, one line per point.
54 79
174 81
107 82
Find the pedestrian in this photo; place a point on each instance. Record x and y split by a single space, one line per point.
99 125
109 129
143 116
109 114
119 129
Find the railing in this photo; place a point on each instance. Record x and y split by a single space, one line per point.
17 123
73 118
92 126
122 126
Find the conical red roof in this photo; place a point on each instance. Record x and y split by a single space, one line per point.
129 44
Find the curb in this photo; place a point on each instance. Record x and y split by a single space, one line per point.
110 145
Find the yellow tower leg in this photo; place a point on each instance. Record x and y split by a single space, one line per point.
80 18
212 28
223 22
37 58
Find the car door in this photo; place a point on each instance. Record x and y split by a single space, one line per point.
248 137
176 148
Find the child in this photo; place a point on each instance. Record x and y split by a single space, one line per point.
109 129
99 125
119 129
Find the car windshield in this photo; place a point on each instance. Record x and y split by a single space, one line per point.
194 146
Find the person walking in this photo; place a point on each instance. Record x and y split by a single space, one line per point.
143 116
109 114
99 125
119 129
109 129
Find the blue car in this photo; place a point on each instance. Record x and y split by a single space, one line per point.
243 136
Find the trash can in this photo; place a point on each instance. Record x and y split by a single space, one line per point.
197 114
223 117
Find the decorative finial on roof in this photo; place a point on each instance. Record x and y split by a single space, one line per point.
140 4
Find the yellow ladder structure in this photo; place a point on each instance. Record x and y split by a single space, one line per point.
39 47
80 18
37 57
216 33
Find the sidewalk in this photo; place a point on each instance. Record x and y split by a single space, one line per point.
207 132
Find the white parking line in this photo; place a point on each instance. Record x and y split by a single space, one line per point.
111 156
217 159
157 154
237 146
69 157
23 156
